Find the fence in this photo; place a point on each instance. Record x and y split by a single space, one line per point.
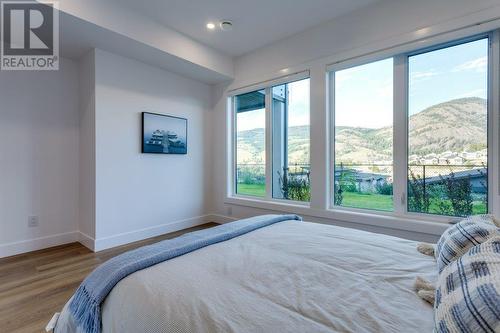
425 173
364 178
453 190
366 175
255 173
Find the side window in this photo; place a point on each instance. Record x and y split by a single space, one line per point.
250 152
290 141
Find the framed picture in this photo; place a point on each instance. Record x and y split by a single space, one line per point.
163 134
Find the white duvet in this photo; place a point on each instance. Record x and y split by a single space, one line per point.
288 277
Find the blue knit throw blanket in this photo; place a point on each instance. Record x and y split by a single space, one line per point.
86 304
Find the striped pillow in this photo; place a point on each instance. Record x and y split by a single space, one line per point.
460 237
468 291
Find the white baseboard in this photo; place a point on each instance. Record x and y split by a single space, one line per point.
220 219
100 244
28 245
137 235
86 240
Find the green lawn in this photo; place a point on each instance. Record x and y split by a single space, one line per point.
257 190
384 202
355 200
478 207
367 200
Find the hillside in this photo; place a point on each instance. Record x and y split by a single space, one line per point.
434 130
456 125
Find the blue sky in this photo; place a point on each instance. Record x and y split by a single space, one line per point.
298 103
298 109
446 74
363 96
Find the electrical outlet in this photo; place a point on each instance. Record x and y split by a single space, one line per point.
229 211
33 221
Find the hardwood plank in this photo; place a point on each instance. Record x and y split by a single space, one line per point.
35 285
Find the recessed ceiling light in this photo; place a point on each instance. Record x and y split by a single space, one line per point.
210 26
226 25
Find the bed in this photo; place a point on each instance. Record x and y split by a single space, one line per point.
290 276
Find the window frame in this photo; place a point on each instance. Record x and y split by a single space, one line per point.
234 165
331 98
489 37
232 182
320 206
400 124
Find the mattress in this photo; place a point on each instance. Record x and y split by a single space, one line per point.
288 277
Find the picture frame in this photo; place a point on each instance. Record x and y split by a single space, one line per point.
163 134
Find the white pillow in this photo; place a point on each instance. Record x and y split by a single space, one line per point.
460 237
468 291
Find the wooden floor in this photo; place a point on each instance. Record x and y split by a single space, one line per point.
35 285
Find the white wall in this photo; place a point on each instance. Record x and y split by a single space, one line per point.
86 223
381 26
71 154
39 157
370 28
141 195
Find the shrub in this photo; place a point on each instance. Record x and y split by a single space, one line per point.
295 186
418 200
250 174
459 193
347 180
449 196
384 188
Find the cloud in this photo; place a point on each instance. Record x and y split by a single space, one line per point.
477 65
371 112
421 76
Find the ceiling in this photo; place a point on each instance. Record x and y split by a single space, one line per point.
79 36
256 22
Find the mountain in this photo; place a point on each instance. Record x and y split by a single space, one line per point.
457 125
251 145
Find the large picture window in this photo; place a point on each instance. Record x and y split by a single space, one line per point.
447 130
363 136
440 120
412 135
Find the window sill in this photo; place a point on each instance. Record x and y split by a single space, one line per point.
432 225
261 202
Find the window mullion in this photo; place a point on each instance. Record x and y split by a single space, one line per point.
268 144
232 138
331 138
400 133
318 143
494 124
